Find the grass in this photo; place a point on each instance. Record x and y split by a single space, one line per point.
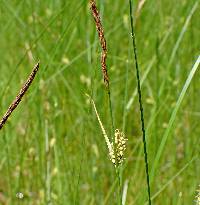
140 103
52 149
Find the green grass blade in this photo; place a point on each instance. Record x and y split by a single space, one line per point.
173 117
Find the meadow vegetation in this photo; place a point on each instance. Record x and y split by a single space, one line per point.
52 149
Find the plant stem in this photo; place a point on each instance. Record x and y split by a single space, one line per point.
119 185
140 104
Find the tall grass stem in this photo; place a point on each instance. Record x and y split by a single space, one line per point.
140 104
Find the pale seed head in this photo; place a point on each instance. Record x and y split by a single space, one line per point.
117 152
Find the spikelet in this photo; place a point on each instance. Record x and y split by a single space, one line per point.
20 95
115 149
102 40
118 148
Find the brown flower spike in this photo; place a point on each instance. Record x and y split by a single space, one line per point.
102 40
18 98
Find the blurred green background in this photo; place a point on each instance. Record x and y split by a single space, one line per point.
52 149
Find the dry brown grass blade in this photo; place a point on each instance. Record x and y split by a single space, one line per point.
18 98
102 40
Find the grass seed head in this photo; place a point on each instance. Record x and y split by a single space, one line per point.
102 40
118 148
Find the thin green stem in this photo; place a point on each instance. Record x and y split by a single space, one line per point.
140 104
119 185
111 112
